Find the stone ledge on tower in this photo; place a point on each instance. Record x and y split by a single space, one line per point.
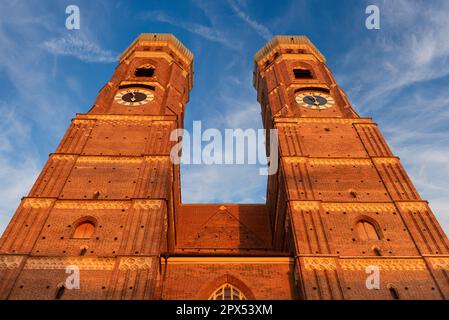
291 45
288 42
141 47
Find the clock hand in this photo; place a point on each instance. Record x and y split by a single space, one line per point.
133 98
312 99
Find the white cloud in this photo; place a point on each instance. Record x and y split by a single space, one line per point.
411 47
81 48
222 184
29 108
395 74
16 179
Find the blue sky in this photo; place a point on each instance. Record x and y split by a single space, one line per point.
399 75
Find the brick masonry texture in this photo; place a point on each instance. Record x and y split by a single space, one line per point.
113 171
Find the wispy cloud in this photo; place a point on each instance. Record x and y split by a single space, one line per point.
80 48
411 47
222 184
260 29
16 177
32 119
396 74
209 33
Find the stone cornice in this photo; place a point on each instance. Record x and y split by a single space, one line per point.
328 161
108 159
292 121
158 39
123 117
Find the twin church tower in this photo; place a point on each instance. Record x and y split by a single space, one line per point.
342 219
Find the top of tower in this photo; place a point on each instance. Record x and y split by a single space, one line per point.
287 41
165 38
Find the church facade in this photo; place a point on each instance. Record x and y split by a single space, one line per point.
342 219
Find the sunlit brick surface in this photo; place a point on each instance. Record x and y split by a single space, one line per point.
113 170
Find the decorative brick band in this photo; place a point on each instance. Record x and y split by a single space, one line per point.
92 205
10 262
291 160
85 117
158 125
83 263
386 160
81 121
63 157
99 159
106 159
286 122
37 203
328 162
139 263
359 207
147 204
319 264
340 162
359 124
306 205
413 206
439 263
353 264
383 264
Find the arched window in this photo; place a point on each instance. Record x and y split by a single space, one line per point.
144 71
367 231
84 230
227 292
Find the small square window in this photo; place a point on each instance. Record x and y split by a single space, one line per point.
302 74
144 72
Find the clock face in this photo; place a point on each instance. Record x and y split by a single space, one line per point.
315 100
134 97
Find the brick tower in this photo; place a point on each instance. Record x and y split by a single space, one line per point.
104 200
341 200
108 201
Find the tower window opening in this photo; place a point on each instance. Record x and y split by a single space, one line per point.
59 292
83 251
145 71
227 292
84 230
377 251
302 73
367 231
394 292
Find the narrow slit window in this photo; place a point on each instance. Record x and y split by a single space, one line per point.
394 293
59 292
